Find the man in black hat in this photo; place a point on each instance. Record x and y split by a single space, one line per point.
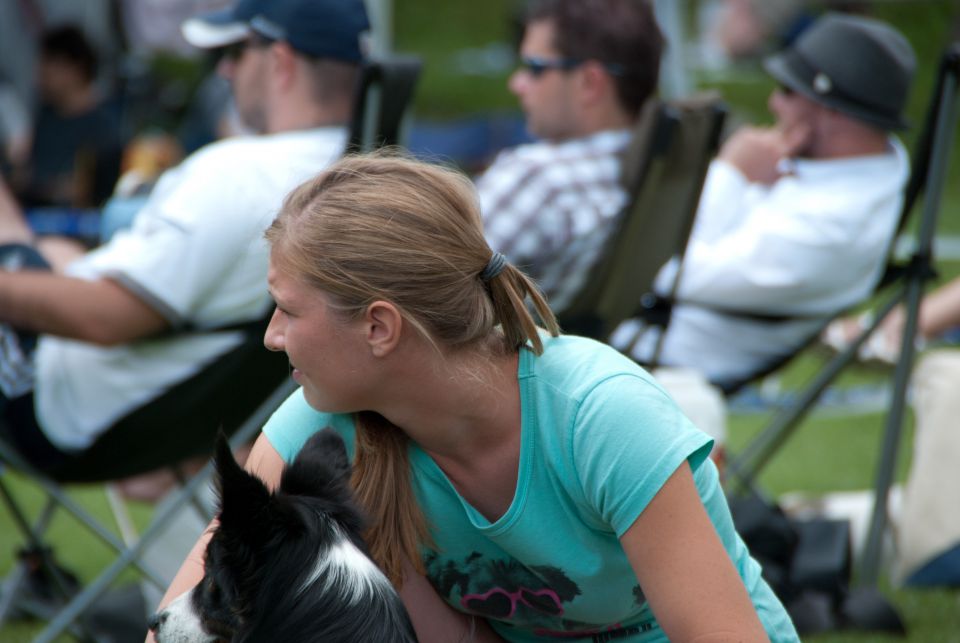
796 219
196 258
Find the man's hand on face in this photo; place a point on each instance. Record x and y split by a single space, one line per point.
756 151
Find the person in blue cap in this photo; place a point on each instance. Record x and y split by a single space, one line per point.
104 324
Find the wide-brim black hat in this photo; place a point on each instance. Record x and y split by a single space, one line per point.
858 66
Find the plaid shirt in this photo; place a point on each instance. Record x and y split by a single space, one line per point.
549 207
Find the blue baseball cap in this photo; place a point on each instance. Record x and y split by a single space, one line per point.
318 28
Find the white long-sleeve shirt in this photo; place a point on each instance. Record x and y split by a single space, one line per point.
812 244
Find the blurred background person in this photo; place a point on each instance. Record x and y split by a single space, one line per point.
74 157
795 220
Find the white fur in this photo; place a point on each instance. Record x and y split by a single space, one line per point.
181 624
345 562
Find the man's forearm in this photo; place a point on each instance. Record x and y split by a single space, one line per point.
940 310
99 312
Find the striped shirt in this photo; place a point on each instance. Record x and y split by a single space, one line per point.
549 207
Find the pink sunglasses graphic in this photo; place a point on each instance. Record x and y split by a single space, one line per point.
499 603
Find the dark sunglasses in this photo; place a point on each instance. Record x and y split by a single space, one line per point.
234 51
783 89
536 66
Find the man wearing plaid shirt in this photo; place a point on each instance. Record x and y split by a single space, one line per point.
586 69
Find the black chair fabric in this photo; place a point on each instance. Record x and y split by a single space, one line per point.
663 172
183 422
383 96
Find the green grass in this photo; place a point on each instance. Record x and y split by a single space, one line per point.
823 454
76 548
931 616
439 32
831 453
839 454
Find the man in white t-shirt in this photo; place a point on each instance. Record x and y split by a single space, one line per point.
195 257
795 221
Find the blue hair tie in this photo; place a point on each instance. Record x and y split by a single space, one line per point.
494 267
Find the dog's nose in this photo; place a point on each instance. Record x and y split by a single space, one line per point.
157 620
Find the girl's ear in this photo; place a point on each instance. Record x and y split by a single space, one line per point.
383 324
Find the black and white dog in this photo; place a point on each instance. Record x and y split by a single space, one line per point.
288 566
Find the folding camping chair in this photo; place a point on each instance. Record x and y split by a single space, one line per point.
385 91
906 281
236 394
663 172
179 424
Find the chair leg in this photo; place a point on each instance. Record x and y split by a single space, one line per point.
106 536
118 507
66 618
746 466
30 533
36 558
131 556
127 557
56 495
886 466
34 550
8 590
921 271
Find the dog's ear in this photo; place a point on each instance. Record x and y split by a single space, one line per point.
244 498
321 466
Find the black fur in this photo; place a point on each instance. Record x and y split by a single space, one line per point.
267 545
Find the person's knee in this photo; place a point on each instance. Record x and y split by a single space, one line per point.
700 401
934 379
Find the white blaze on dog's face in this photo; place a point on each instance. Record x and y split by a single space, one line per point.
180 623
345 565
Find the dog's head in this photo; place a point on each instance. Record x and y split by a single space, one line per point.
288 565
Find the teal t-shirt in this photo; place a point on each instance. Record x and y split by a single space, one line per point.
599 437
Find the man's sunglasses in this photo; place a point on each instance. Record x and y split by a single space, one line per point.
536 66
234 51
